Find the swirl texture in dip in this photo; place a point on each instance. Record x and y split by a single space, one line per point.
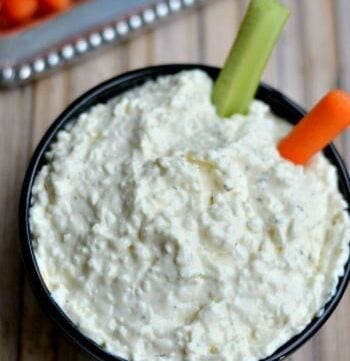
168 233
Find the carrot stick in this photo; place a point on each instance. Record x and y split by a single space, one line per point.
20 10
329 117
55 5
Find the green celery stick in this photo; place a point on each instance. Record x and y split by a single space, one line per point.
239 78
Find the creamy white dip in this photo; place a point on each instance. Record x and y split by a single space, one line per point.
168 233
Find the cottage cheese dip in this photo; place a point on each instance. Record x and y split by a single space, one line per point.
168 233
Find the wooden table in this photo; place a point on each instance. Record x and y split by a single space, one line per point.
312 57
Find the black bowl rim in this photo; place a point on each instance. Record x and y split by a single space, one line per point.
101 93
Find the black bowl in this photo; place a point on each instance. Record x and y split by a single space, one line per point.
280 105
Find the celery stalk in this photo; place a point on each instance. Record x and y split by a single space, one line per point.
239 78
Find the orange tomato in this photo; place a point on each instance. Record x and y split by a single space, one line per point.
55 5
19 10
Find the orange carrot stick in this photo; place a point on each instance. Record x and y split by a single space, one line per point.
55 5
329 117
20 10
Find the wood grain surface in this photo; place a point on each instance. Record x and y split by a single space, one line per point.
312 57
